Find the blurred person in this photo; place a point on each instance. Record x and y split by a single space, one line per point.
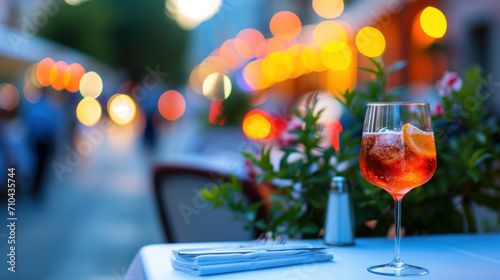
43 121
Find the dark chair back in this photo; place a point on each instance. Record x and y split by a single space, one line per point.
186 217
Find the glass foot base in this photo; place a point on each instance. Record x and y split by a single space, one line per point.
398 269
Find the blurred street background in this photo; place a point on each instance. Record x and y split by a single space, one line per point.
94 94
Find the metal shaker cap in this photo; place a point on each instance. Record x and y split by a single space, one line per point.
339 184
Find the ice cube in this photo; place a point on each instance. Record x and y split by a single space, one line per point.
388 146
384 130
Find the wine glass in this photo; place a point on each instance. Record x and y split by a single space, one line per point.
397 154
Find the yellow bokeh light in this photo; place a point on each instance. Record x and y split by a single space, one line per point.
338 60
274 68
370 42
328 8
330 35
121 109
217 86
293 60
257 124
433 22
91 85
88 111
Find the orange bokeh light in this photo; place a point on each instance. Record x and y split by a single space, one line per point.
43 71
56 75
257 124
250 43
252 73
271 45
328 8
171 105
216 64
72 77
419 37
9 97
285 25
227 52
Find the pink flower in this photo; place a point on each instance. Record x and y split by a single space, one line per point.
450 82
286 138
437 109
295 124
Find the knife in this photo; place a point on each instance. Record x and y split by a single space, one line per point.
244 251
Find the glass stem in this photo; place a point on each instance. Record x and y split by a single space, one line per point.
397 225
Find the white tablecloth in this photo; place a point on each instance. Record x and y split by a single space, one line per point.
453 257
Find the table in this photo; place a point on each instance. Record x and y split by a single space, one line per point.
447 257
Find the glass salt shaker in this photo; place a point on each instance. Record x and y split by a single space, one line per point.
339 220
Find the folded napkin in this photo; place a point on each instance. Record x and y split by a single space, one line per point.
208 264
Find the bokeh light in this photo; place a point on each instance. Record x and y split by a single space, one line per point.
285 25
250 43
30 75
217 86
370 42
418 35
310 56
121 109
274 68
433 22
31 92
91 84
43 71
257 124
337 60
258 98
9 97
252 73
227 53
56 75
272 45
72 77
88 111
171 105
240 81
330 35
190 13
293 60
328 8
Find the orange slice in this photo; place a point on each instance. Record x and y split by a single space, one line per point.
422 143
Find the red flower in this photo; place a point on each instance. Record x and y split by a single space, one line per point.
437 109
450 82
333 129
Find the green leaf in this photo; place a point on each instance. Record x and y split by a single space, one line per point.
368 70
210 194
217 204
478 157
